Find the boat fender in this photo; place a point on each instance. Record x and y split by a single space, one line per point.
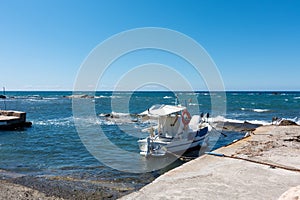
186 117
148 146
151 131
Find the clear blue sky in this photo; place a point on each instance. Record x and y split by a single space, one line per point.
254 43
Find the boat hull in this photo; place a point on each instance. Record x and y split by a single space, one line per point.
160 146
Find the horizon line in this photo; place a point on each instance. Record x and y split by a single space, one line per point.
126 91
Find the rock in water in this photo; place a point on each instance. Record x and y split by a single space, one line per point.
287 123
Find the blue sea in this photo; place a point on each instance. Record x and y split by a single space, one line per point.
53 147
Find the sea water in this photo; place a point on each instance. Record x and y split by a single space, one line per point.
52 146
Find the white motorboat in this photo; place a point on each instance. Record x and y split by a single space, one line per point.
176 131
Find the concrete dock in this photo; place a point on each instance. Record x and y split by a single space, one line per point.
262 166
10 119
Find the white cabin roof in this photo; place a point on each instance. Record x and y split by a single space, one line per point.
163 110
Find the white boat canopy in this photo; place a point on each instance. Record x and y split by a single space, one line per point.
162 110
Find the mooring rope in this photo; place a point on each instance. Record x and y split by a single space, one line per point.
255 161
181 157
218 131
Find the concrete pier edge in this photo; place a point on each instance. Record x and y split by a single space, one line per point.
11 119
268 165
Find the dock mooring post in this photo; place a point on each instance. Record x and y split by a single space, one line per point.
4 99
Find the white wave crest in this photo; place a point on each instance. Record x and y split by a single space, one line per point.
50 98
115 114
167 97
101 97
56 122
194 104
223 119
261 110
120 114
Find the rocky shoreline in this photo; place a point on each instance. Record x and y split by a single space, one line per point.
18 192
20 186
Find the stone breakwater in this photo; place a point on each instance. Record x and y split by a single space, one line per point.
264 165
